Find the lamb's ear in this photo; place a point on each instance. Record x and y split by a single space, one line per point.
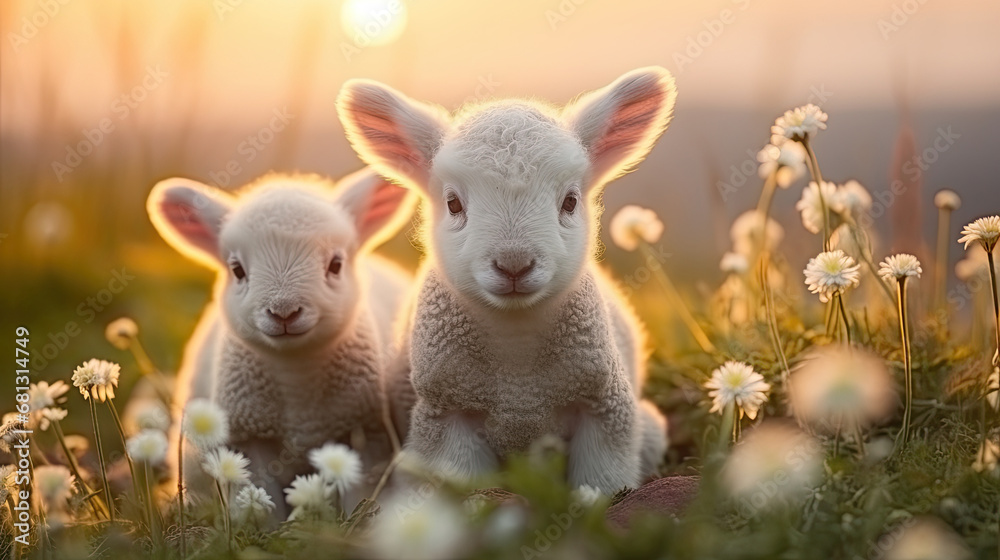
619 124
379 207
189 216
396 135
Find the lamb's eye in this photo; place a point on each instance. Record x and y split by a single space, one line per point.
335 264
454 205
569 203
238 271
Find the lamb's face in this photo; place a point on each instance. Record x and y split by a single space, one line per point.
286 250
511 225
291 280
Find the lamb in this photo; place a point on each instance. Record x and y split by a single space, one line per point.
517 333
301 327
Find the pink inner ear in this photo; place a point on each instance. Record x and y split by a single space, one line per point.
383 204
384 136
627 127
189 225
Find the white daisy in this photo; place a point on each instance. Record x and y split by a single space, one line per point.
252 506
926 538
811 207
737 383
974 264
746 234
774 450
42 395
984 230
798 123
309 496
947 200
226 466
46 416
787 161
830 273
97 379
54 483
851 199
338 464
205 424
121 332
633 224
838 385
897 267
149 446
150 415
734 263
430 529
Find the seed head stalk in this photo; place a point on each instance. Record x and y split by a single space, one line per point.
904 334
818 178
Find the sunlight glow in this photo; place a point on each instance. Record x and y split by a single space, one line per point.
373 22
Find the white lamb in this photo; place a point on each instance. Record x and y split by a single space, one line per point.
295 342
517 333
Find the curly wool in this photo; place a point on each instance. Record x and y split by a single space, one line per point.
306 408
577 369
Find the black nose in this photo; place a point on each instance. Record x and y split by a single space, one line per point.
513 271
285 319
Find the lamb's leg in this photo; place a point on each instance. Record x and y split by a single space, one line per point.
262 454
654 438
602 451
450 445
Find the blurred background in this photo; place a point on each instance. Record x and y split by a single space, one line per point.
100 99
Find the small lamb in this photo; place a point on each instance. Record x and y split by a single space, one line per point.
517 333
295 342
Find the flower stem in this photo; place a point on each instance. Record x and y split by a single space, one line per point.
818 178
996 302
100 457
772 322
941 259
907 366
227 522
71 461
128 458
154 526
682 310
843 316
180 494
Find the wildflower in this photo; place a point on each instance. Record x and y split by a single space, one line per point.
338 464
927 538
431 529
975 264
226 466
851 199
738 384
987 457
947 200
984 230
587 495
9 427
48 415
772 450
899 266
798 124
831 273
252 505
97 379
54 485
787 161
309 495
746 233
734 263
149 446
121 332
837 384
205 424
811 207
151 415
42 395
633 224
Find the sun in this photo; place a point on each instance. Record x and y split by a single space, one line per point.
373 22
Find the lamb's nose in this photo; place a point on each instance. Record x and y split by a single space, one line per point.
285 319
513 271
